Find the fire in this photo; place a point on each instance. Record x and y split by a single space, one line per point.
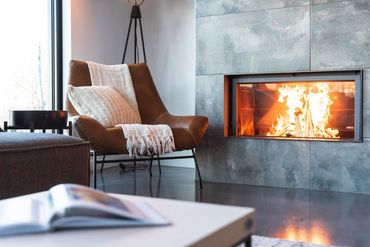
308 111
316 232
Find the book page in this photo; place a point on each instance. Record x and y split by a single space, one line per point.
23 215
74 200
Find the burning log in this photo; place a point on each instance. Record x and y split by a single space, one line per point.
297 122
307 114
283 131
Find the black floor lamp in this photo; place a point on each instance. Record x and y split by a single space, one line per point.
136 17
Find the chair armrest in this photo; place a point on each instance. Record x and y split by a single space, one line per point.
104 140
193 126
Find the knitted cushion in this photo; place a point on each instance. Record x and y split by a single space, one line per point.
103 104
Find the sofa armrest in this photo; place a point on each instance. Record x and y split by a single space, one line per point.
193 126
103 140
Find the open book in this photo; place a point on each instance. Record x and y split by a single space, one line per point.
72 206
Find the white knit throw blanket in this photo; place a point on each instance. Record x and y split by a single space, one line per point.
117 77
143 139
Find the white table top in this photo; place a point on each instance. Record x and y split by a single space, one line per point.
193 224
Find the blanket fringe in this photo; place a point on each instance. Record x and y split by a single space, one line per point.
148 139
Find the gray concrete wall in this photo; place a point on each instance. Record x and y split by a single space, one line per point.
248 36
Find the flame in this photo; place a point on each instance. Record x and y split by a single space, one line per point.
316 233
307 111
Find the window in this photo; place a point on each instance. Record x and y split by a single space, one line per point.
27 55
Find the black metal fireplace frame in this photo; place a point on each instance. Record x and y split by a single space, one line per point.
232 81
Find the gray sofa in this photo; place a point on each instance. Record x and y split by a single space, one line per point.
32 162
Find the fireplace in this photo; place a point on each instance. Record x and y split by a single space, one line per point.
295 106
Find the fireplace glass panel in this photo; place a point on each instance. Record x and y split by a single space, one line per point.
302 109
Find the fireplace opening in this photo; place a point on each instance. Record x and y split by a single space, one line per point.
304 106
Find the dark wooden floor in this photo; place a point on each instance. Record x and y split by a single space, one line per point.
311 216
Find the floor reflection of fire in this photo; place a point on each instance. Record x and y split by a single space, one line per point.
315 233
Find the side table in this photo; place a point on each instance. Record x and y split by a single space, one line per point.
35 119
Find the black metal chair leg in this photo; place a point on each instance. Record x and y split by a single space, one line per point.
94 168
150 186
102 164
89 170
159 165
196 165
150 166
248 241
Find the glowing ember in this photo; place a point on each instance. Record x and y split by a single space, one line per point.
307 114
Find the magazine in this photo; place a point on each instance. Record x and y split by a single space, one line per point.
73 206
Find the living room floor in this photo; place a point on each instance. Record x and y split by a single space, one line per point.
311 216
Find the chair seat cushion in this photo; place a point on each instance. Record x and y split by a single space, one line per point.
188 131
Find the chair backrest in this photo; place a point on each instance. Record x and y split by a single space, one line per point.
148 100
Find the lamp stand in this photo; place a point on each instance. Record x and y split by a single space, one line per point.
136 16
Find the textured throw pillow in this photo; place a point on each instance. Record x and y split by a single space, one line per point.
103 104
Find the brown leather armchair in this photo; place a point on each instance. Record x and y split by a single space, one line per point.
188 131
